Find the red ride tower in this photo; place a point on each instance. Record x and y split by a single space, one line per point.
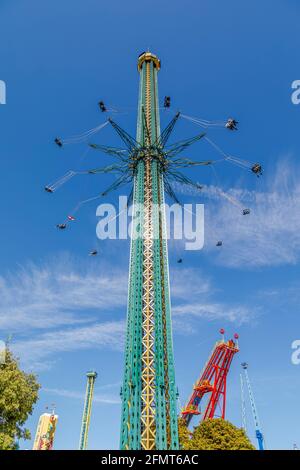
212 381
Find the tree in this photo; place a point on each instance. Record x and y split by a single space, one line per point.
18 394
183 433
215 434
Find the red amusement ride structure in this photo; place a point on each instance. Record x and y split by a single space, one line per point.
212 381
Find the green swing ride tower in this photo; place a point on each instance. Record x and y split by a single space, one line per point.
149 414
149 397
149 394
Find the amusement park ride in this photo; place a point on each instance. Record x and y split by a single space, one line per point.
151 164
86 417
258 433
212 382
45 432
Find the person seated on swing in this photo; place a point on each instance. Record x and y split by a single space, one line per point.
93 253
231 124
58 142
102 106
257 169
167 102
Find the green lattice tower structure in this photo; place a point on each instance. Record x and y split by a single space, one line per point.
87 410
149 415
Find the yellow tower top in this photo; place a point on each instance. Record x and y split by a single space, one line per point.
148 57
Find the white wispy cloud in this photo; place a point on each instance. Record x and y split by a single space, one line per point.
183 278
63 306
108 335
214 311
98 398
270 235
51 295
194 297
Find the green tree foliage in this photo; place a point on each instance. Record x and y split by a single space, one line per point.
18 394
184 434
214 434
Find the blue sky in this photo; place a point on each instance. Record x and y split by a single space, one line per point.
66 310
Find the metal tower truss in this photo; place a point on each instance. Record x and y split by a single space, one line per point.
212 382
149 415
258 432
243 405
152 165
86 417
